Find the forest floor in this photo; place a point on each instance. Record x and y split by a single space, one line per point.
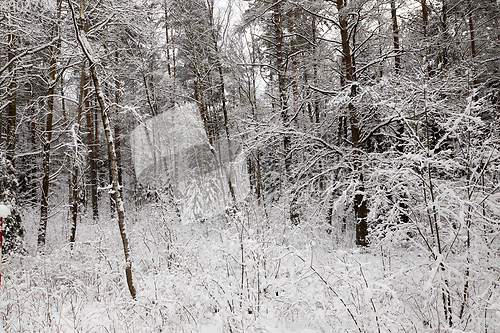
235 274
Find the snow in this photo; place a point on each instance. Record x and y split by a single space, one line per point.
4 211
188 279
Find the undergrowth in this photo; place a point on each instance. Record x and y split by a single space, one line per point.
234 273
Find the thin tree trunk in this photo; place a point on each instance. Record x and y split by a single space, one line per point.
92 145
118 145
360 208
92 156
113 122
295 90
167 41
444 54
395 36
283 103
218 64
425 21
315 71
85 46
44 207
473 50
32 176
12 107
175 182
75 169
465 294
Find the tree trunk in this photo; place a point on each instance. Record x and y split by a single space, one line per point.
44 207
473 50
315 71
92 148
425 22
91 144
75 169
295 90
283 103
360 208
444 20
12 107
117 128
167 41
218 64
85 46
395 36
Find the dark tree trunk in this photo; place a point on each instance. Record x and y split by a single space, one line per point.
167 41
218 64
472 49
283 103
75 169
92 148
395 36
44 207
360 208
12 107
425 22
118 146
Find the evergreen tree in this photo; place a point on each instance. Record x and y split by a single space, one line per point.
13 230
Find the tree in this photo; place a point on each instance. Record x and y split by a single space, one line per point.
13 230
395 31
52 83
115 186
75 159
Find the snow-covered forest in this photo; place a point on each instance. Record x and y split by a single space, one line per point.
250 166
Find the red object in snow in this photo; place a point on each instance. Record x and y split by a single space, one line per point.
1 234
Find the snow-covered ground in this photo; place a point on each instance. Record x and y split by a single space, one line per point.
235 274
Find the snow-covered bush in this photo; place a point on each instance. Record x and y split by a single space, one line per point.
13 231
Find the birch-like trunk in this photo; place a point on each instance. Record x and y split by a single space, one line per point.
87 50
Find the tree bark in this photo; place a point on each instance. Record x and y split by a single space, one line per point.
118 146
283 103
12 107
44 207
218 64
167 41
425 22
75 169
85 46
395 36
473 50
360 208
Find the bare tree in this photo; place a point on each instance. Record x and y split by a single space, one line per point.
115 186
52 82
360 208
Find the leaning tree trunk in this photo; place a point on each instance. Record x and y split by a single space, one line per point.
87 50
360 208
